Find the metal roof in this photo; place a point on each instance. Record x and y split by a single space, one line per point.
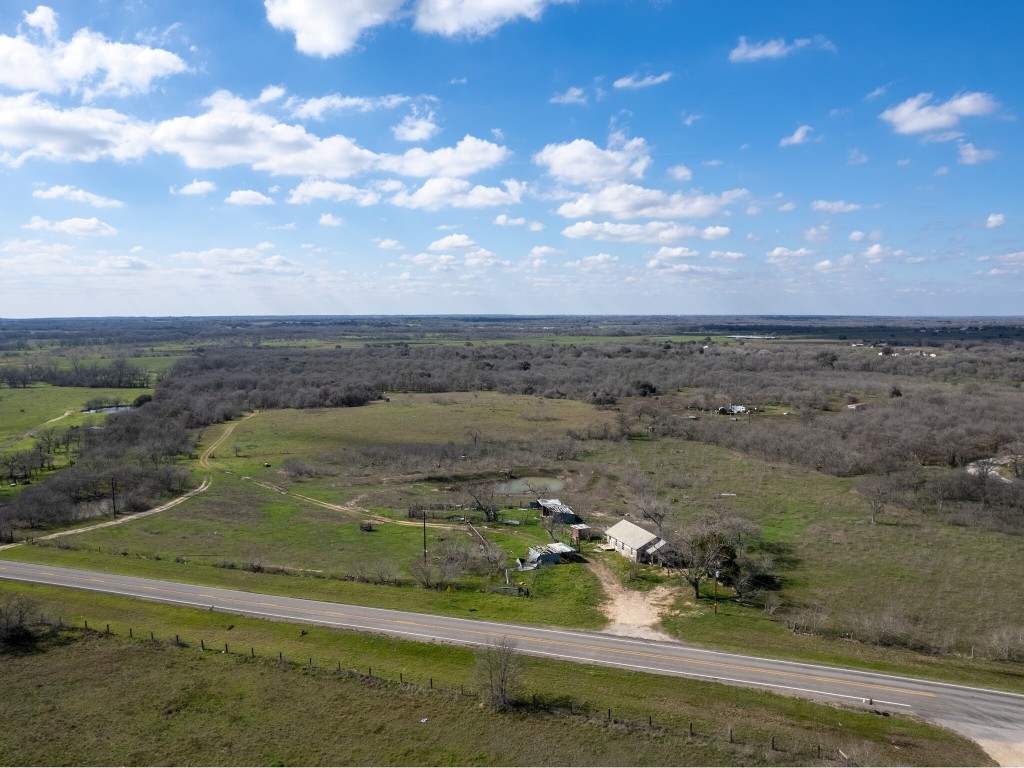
633 536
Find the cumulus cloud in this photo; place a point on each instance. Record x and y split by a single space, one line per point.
248 197
76 195
655 232
918 115
330 220
817 234
727 255
995 220
856 157
326 27
35 128
573 95
800 136
452 241
442 262
775 49
388 244
91 227
665 268
321 189
416 127
628 201
458 193
834 206
318 108
633 82
240 261
783 257
124 263
971 155
680 172
666 253
600 262
472 18
195 187
89 64
504 220
470 155
583 162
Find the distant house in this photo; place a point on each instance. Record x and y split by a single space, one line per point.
856 407
732 410
558 510
633 542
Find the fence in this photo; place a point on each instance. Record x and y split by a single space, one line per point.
564 706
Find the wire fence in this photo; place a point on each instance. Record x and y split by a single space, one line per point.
537 703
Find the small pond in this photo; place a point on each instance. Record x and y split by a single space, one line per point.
523 485
110 409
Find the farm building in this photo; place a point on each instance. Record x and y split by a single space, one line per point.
580 532
558 510
547 554
633 542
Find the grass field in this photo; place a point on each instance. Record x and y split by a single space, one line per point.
101 700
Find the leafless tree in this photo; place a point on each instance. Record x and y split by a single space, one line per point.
499 671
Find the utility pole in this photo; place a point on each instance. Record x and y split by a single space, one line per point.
113 496
424 537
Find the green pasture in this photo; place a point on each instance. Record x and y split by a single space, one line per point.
97 699
25 409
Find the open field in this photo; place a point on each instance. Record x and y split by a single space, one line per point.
109 699
904 567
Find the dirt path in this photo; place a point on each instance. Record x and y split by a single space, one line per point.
205 459
632 613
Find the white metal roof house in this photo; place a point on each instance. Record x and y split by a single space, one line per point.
633 542
554 507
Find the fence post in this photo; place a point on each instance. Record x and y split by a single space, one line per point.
730 734
130 633
650 722
691 729
108 629
431 683
202 644
225 647
773 742
176 640
401 677
253 652
609 715
280 658
86 623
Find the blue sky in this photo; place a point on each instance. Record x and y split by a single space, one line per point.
510 156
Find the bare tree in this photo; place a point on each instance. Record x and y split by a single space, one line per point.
484 498
499 671
708 545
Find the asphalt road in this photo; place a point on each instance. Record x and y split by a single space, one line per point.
993 718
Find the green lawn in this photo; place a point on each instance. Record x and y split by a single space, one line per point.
101 700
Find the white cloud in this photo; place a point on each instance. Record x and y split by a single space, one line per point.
918 115
231 132
834 206
541 252
195 187
666 253
680 172
573 95
503 220
656 232
38 129
434 262
321 189
690 119
583 162
330 220
995 220
627 201
470 155
318 108
817 234
452 241
473 18
76 195
44 19
248 197
88 64
785 257
240 261
879 91
481 257
971 155
416 127
727 255
326 27
458 193
824 266
600 262
775 49
800 136
122 263
91 227
857 236
633 82
667 268
787 207
388 244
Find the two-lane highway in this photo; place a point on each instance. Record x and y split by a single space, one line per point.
994 718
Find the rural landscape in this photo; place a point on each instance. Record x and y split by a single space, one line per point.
841 492
511 382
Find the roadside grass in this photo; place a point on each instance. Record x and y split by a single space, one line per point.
27 408
93 699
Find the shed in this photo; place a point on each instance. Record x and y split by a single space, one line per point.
581 532
558 510
633 542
